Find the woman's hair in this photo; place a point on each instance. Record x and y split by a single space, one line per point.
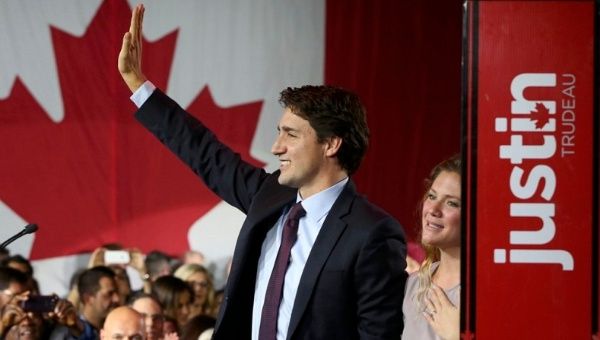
185 271
432 254
168 289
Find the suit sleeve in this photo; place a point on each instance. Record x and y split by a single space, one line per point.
380 278
221 169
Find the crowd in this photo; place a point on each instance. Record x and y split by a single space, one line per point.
178 299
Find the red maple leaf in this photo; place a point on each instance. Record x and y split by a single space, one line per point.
98 176
540 115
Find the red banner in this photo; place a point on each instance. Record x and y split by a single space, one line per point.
532 170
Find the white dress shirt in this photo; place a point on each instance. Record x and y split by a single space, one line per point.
317 207
142 94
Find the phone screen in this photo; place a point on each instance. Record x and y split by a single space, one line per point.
116 257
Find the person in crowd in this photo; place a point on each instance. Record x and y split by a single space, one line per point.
123 323
135 260
98 296
12 283
157 264
193 256
151 310
432 297
201 283
20 263
196 326
347 273
175 296
23 321
17 324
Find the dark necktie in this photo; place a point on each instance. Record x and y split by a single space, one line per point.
268 320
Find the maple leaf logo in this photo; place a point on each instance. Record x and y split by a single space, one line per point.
541 115
98 176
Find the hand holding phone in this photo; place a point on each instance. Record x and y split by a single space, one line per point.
39 303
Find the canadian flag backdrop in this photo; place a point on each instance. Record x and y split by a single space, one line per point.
74 160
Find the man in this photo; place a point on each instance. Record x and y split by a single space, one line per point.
150 309
344 276
123 323
21 264
12 283
157 265
194 256
19 322
98 293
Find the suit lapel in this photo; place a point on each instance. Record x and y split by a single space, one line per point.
259 220
332 229
261 217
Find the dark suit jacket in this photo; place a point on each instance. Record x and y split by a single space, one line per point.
353 283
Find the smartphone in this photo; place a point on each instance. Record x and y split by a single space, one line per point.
116 257
39 303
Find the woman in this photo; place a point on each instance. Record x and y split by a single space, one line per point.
176 298
432 297
201 283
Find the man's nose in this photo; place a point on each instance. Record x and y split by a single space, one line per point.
277 147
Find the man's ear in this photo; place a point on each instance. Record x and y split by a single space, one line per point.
85 298
332 145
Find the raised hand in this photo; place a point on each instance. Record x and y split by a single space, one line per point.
137 260
65 313
442 315
12 313
130 56
97 258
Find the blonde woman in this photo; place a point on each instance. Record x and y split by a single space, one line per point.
200 281
432 296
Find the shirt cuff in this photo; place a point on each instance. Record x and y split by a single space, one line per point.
142 94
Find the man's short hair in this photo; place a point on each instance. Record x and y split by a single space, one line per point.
10 275
20 260
142 295
89 281
332 111
155 260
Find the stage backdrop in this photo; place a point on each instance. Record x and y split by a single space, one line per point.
75 162
531 261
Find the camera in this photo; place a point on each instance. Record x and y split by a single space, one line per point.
39 303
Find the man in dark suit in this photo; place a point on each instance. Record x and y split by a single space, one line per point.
344 275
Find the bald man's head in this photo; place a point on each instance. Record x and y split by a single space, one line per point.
123 323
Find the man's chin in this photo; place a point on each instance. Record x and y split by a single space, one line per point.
283 180
287 182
